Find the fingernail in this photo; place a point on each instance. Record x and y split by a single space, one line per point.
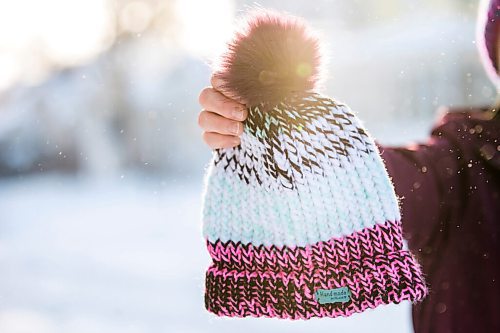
238 113
235 128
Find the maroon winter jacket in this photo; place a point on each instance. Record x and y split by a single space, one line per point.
450 204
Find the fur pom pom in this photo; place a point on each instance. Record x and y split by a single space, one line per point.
272 56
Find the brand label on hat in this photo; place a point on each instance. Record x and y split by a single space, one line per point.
337 295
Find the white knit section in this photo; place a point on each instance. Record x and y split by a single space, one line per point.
348 199
334 197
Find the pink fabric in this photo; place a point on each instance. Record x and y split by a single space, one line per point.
487 34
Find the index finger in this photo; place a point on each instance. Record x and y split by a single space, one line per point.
214 101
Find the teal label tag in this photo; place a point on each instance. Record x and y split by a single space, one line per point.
337 295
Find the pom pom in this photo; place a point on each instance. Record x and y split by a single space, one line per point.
271 57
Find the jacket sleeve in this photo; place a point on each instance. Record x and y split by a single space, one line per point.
423 179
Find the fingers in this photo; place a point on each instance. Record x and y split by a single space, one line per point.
216 140
221 119
212 122
214 101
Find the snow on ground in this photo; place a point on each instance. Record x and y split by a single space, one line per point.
79 255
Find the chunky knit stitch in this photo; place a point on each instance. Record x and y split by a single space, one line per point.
280 281
303 203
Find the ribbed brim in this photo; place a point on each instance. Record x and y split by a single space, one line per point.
245 280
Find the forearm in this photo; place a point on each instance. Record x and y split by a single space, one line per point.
416 181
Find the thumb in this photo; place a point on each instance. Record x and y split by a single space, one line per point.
219 84
216 82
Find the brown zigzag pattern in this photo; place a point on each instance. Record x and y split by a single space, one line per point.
277 130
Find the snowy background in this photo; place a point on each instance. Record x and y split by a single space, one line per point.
101 160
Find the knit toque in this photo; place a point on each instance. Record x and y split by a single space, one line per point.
301 219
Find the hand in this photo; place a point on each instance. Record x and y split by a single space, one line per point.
221 117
